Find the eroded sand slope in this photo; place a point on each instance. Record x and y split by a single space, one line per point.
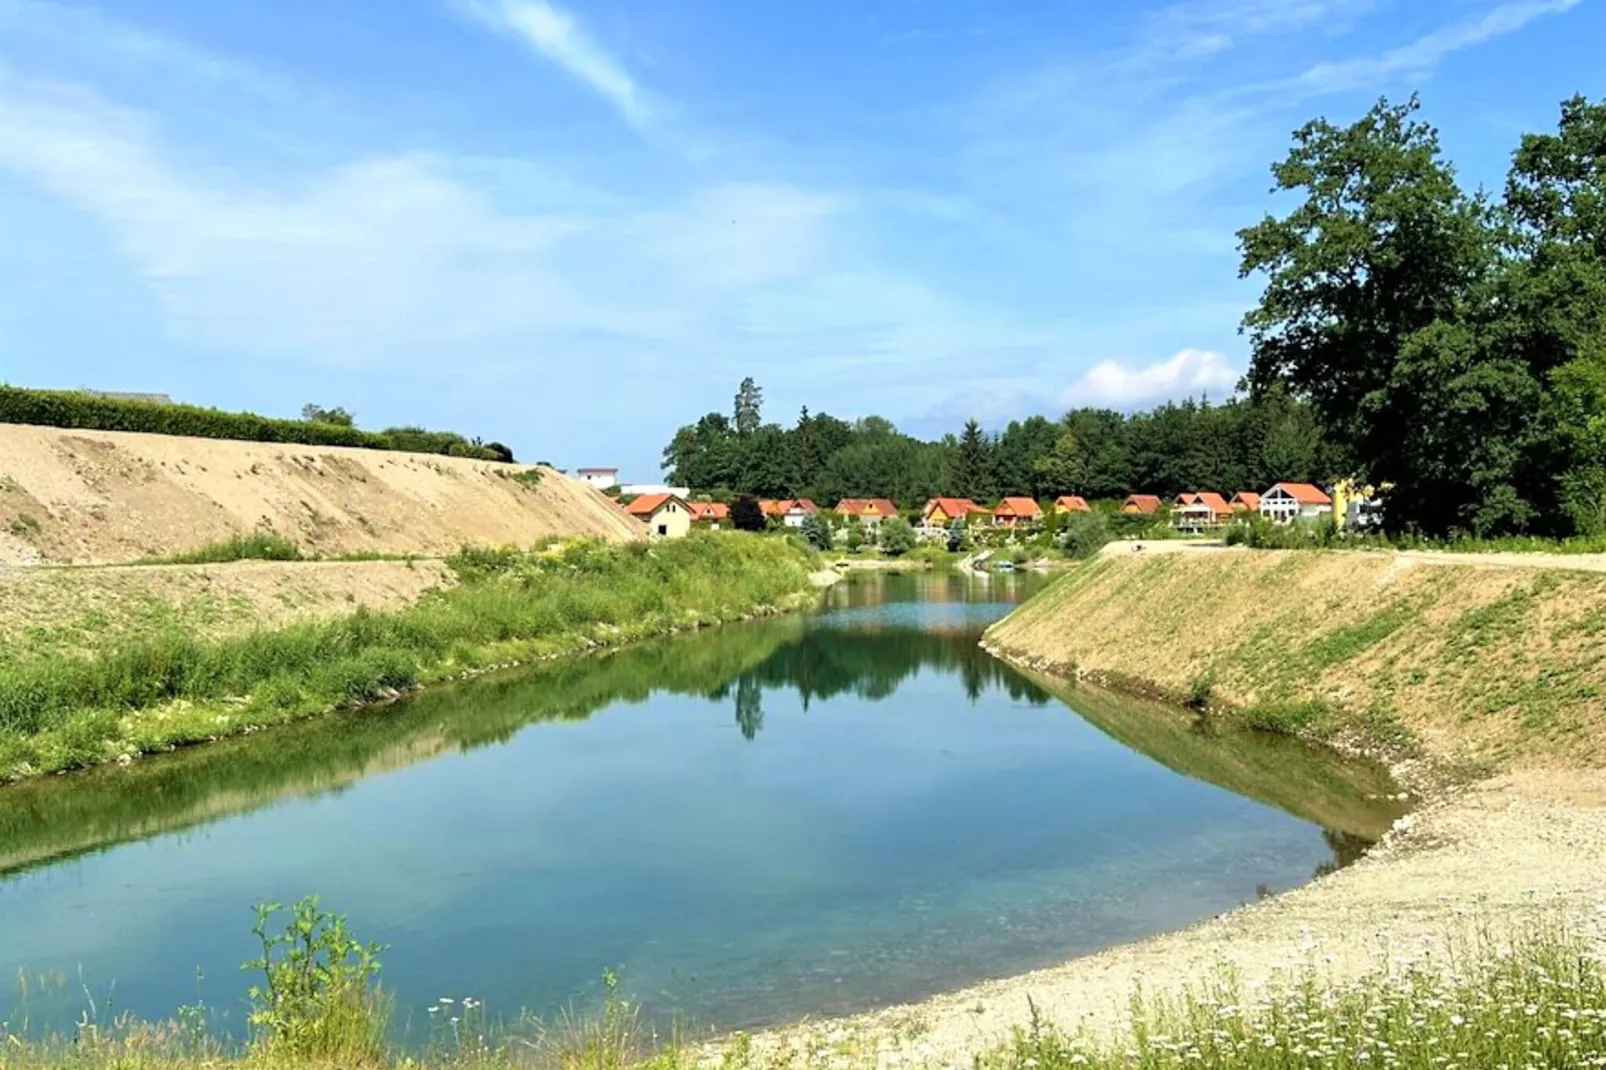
82 497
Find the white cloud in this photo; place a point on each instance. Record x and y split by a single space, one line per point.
559 37
382 257
1423 55
1200 29
111 43
1115 385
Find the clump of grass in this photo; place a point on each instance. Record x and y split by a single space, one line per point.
1539 1003
257 546
25 525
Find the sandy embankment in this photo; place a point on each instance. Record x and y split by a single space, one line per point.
1494 854
106 497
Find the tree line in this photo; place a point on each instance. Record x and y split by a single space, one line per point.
1446 345
1241 444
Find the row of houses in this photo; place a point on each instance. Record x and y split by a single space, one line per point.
669 514
1284 503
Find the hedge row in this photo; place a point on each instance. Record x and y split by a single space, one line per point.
74 409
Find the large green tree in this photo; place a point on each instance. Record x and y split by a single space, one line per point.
1371 284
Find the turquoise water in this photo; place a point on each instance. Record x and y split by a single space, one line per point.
797 817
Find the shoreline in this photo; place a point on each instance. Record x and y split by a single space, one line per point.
1484 858
1472 858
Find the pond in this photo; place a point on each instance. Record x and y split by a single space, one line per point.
794 817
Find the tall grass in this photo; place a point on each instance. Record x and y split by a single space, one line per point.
257 546
65 712
1541 1003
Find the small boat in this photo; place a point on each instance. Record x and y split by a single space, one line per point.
1005 565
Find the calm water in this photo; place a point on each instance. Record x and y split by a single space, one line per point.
797 817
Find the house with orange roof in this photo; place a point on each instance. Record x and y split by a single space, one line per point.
1245 501
868 511
1287 502
1016 512
940 512
1071 503
714 514
796 510
1199 510
1141 505
667 516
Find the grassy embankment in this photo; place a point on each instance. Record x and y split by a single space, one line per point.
1477 667
174 685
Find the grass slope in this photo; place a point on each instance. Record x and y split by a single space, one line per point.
174 686
1478 664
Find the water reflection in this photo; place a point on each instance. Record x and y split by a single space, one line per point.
797 816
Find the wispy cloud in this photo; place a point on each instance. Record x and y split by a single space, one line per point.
1122 386
1422 56
114 43
1199 29
557 36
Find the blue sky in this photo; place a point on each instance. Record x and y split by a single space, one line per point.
573 228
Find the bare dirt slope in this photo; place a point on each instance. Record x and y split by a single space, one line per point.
1497 666
84 497
80 611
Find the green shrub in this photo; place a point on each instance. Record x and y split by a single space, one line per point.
896 537
79 410
1084 534
258 546
319 998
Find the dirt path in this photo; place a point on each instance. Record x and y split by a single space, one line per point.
1494 855
1580 562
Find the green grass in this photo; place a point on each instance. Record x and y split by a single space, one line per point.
1342 644
257 546
1541 1003
25 525
167 688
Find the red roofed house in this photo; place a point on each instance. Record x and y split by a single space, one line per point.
1245 501
868 511
1016 512
1071 503
1141 505
667 516
1204 509
792 516
1288 502
713 513
940 512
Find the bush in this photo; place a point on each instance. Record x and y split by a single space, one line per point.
76 409
817 532
1084 534
957 535
897 537
320 998
855 535
746 514
257 546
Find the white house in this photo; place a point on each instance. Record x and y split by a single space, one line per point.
1288 502
601 478
666 515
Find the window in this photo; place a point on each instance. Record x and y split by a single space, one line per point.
663 529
